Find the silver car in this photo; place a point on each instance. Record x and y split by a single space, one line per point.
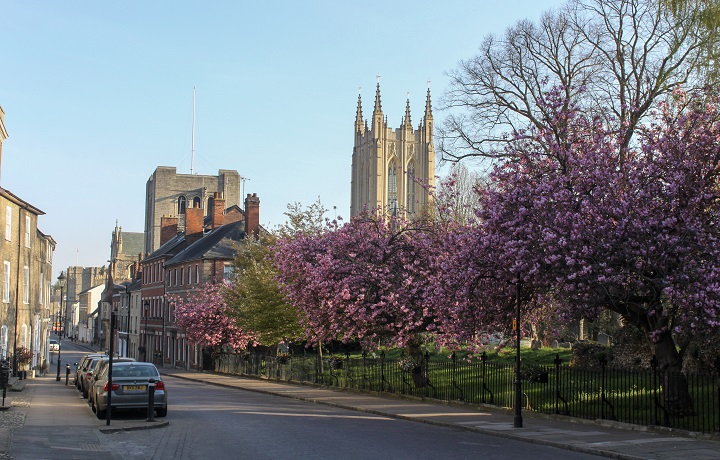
102 363
129 388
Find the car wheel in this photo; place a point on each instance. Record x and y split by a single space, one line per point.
100 413
161 412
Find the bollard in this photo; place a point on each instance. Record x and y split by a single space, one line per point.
67 374
151 400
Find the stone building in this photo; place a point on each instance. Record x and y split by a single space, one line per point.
79 280
26 254
392 170
203 252
171 194
126 250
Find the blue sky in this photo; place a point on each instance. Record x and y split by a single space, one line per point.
98 94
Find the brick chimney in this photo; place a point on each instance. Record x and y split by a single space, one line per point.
193 224
218 211
168 228
252 214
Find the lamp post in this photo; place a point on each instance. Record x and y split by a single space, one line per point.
61 282
517 421
127 326
146 307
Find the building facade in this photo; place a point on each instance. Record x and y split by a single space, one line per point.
75 314
203 252
126 250
170 194
393 170
25 304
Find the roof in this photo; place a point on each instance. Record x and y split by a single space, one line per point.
221 243
169 249
133 243
90 289
20 202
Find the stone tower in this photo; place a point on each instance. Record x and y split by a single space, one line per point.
392 170
170 194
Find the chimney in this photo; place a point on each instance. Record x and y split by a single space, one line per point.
218 211
193 224
168 228
252 214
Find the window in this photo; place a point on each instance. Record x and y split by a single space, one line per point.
4 341
8 223
228 271
392 187
182 275
175 280
24 336
28 223
411 188
6 282
26 284
196 202
190 274
182 204
42 287
197 273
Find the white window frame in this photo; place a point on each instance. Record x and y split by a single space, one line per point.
28 224
8 223
6 281
26 284
42 289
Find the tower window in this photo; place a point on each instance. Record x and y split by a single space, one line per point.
196 202
411 188
182 204
392 187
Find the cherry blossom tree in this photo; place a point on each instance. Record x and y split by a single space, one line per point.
365 280
205 317
583 234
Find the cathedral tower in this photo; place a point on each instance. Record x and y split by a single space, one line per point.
392 168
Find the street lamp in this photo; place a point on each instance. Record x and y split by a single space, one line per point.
146 307
517 421
61 282
127 326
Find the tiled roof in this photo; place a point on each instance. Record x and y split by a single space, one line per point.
221 243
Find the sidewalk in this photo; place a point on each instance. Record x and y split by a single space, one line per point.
599 438
49 420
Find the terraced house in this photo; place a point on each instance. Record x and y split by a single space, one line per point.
26 255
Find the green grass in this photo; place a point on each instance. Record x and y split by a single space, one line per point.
541 357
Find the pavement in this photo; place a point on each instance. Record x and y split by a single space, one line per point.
48 419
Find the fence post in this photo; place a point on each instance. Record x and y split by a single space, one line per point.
653 366
483 360
557 362
603 364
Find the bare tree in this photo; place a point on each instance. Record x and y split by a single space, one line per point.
613 58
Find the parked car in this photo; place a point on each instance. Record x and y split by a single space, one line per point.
102 364
81 366
54 345
87 372
129 388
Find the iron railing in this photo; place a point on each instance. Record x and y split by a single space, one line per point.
632 396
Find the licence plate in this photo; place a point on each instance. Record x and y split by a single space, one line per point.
133 387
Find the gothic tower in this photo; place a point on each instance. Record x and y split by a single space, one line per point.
392 169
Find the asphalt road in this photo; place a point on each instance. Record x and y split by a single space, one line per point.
213 422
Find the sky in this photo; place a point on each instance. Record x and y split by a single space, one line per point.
98 94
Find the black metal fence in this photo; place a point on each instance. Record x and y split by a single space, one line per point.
636 397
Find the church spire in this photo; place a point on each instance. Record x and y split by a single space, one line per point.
358 116
428 107
377 121
406 122
378 105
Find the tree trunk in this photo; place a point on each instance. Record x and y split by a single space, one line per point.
676 395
